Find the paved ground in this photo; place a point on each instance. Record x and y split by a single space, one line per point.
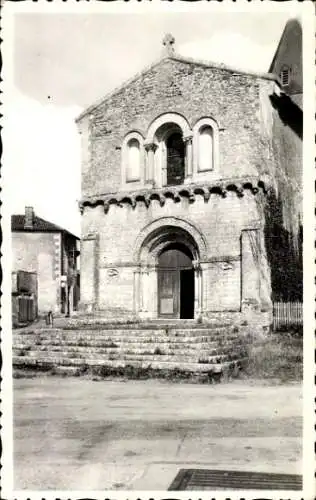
80 434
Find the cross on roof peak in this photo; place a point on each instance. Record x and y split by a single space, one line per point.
168 42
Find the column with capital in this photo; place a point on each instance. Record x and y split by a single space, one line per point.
188 158
144 290
137 292
198 291
150 170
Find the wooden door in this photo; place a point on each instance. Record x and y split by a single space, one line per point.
169 293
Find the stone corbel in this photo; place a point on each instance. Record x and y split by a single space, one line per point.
143 198
162 201
106 206
133 202
207 195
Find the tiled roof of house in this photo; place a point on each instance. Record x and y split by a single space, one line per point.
39 225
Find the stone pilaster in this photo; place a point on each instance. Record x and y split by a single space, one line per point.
89 273
250 268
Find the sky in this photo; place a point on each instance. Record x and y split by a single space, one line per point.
63 63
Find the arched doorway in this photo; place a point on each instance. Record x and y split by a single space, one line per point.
175 282
169 278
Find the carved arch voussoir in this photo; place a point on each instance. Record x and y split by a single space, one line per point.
169 117
161 224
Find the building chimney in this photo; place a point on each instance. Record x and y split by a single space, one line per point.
28 220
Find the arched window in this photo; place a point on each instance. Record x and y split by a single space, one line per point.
168 162
132 158
205 146
175 159
205 151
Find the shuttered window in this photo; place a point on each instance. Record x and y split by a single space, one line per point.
285 76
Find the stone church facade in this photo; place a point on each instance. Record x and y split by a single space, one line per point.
186 187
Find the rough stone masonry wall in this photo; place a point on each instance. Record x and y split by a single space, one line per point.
195 91
241 106
108 262
40 253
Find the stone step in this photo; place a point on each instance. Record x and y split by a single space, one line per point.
84 340
203 358
219 330
133 341
151 325
201 350
108 344
30 362
124 345
165 345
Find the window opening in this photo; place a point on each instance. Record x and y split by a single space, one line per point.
175 159
205 148
285 77
133 160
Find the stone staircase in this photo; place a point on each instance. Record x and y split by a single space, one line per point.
182 346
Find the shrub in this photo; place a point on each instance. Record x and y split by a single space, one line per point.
278 356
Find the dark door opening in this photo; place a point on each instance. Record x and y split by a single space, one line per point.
187 294
175 284
175 159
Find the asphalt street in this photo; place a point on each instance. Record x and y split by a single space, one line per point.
79 434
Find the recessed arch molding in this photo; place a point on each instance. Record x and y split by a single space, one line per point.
153 235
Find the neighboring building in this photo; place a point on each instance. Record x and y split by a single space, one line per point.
190 194
287 62
40 247
285 248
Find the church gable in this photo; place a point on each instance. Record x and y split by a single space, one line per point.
179 172
170 82
190 89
